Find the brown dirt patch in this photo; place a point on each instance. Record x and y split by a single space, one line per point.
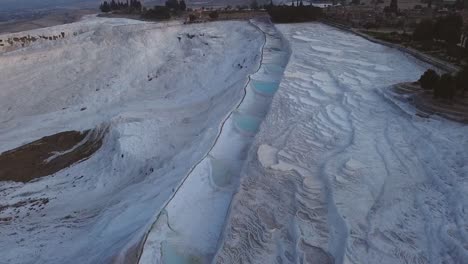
48 155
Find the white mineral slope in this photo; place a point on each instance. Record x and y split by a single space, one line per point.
160 92
340 174
190 226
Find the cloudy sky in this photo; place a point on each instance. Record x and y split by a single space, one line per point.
35 4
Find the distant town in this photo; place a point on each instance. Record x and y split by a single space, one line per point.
437 28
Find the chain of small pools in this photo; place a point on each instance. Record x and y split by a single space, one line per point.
190 225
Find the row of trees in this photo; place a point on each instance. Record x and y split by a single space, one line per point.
293 13
445 86
448 28
176 5
157 13
165 12
113 5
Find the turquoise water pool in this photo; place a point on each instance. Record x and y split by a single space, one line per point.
220 173
265 87
247 123
171 256
273 68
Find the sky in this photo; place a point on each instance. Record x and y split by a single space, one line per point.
12 5
18 5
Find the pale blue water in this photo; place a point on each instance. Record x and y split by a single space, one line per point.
171 256
220 173
247 123
273 68
265 87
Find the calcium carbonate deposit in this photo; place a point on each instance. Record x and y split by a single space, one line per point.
223 142
340 174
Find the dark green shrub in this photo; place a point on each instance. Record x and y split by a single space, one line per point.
192 17
429 80
424 30
291 14
254 5
158 13
448 28
105 7
182 5
213 15
445 88
461 80
172 4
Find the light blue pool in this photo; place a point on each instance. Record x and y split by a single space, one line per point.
220 173
171 256
273 68
246 122
265 87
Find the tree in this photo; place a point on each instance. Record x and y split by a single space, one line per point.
461 80
213 15
254 5
424 30
192 18
172 4
459 4
113 5
445 88
136 5
429 80
183 5
291 14
393 8
158 13
105 7
448 28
